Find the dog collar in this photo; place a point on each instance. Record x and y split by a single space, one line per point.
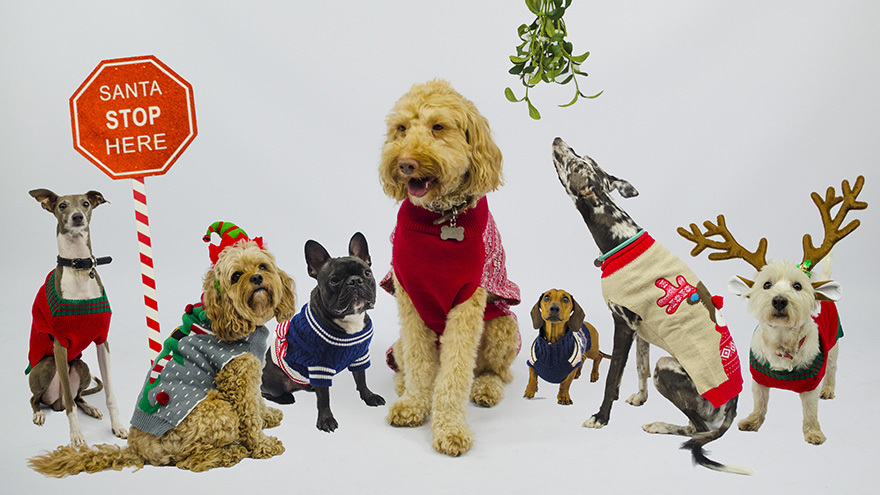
601 259
789 356
84 263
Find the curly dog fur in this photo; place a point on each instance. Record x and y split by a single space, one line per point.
228 425
439 154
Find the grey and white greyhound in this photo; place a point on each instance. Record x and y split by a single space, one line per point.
590 187
59 379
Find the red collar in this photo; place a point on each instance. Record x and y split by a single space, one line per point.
627 254
789 356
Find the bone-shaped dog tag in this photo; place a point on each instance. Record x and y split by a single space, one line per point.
447 232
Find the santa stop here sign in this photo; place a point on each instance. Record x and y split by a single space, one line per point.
133 117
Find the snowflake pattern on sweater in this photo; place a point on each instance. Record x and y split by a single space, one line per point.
310 353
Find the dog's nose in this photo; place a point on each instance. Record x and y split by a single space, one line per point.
779 303
554 310
355 281
257 279
407 166
78 218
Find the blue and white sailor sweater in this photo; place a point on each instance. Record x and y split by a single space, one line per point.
554 362
311 353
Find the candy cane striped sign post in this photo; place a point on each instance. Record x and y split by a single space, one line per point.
133 117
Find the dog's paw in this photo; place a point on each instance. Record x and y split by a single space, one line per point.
374 400
406 414
827 393
326 422
77 439
530 392
39 418
119 431
272 417
751 423
814 437
269 447
564 400
90 410
487 390
594 422
452 439
594 377
638 398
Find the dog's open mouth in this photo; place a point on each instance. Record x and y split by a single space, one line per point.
420 187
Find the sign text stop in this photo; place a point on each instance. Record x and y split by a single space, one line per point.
133 117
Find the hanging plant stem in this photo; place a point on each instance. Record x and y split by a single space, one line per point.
545 55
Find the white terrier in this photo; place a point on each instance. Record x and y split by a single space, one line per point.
794 346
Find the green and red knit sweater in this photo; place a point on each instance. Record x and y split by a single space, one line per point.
74 323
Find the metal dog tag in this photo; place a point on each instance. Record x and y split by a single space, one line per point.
447 232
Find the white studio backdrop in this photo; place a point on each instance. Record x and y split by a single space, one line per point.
741 108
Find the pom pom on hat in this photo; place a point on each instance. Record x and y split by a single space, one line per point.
230 234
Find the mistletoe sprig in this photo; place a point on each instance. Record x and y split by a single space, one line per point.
545 55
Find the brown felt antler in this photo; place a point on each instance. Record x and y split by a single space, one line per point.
728 248
833 231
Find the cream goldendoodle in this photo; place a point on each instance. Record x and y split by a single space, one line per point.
220 339
458 336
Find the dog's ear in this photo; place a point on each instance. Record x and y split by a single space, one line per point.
739 286
96 198
226 322
827 291
537 320
485 174
357 247
287 303
316 256
577 316
625 189
47 198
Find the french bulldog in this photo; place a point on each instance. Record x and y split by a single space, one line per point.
330 333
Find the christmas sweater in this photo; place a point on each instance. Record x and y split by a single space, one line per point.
644 277
809 376
311 353
554 362
74 323
185 369
439 274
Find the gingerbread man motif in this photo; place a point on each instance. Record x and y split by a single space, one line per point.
674 295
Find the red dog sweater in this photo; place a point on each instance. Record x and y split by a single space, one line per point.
438 274
806 377
74 323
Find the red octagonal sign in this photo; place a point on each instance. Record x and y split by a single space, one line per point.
133 117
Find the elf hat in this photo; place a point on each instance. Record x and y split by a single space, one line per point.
230 234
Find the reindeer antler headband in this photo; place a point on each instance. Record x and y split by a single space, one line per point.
729 248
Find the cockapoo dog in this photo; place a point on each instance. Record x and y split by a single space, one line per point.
186 415
458 337
794 346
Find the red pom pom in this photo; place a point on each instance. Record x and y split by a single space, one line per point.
188 309
718 301
162 398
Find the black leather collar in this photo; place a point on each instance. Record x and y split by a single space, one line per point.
84 263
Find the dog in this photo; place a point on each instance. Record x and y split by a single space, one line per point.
558 317
332 332
655 297
794 346
200 406
71 312
458 337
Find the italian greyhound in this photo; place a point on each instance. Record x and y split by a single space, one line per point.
71 312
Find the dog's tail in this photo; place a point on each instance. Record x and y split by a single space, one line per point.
606 356
67 460
97 388
698 440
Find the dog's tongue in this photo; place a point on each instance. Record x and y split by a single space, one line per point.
418 187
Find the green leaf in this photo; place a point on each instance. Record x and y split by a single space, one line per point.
567 79
536 78
532 5
519 60
580 58
567 46
516 69
529 69
522 29
556 14
594 96
533 112
572 102
508 93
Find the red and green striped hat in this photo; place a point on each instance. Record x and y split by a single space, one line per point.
230 234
